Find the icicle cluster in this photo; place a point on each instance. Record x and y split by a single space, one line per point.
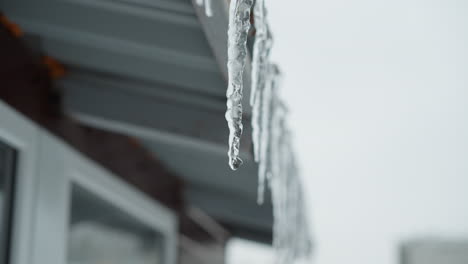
277 167
271 136
208 8
273 150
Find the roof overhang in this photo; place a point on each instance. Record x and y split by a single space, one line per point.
155 70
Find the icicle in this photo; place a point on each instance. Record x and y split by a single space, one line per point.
208 7
291 230
270 165
263 134
280 208
261 49
257 121
268 107
278 126
261 52
239 25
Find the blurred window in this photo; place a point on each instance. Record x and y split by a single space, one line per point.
101 233
7 172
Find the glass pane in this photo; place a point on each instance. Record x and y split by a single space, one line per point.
101 233
7 170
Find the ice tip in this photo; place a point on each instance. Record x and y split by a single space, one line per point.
260 198
235 163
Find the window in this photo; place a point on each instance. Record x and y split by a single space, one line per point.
67 209
102 233
7 171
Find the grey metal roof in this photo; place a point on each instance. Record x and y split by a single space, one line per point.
155 70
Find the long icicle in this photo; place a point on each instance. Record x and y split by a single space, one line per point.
239 25
264 134
260 51
257 120
268 107
260 60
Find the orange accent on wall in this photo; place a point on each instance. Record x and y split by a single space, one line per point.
56 69
10 26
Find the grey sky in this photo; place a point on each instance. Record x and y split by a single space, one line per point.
378 93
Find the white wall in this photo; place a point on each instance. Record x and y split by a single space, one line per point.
379 97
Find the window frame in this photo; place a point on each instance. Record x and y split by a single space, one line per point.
10 163
46 170
21 135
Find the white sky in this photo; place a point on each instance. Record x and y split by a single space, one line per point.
379 96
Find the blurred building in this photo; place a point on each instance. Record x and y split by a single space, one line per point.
434 251
112 135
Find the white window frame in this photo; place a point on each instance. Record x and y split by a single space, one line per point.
47 169
22 135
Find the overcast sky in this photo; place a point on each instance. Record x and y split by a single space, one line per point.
379 96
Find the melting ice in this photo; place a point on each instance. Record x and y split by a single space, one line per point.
239 25
277 166
271 135
261 52
268 109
